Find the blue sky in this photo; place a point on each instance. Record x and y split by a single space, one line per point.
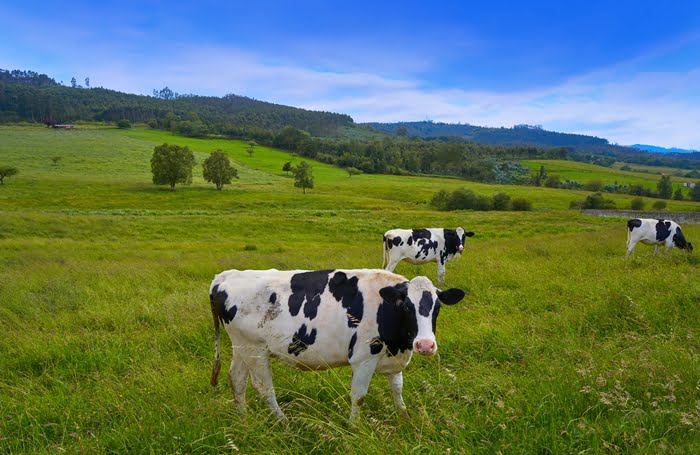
623 70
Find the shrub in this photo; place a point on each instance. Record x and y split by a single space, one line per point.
597 201
124 124
501 201
521 205
593 185
659 205
637 204
440 200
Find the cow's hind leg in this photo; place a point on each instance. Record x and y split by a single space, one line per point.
630 248
396 385
392 264
261 376
238 374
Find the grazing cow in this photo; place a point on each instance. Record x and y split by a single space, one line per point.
655 232
419 246
372 320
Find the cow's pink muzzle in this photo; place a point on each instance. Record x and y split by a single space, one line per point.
425 347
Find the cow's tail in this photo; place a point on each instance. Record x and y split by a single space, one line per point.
385 253
217 361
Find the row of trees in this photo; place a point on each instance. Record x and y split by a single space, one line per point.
464 199
172 164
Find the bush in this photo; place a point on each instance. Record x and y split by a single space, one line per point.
440 200
521 205
124 124
659 205
593 185
597 201
501 201
637 204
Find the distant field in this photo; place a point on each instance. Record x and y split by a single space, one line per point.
583 172
561 346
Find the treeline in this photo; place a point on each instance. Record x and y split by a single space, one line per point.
31 97
587 149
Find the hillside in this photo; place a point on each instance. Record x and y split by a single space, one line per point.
655 149
32 97
579 146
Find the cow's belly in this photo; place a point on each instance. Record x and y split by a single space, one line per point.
420 259
652 242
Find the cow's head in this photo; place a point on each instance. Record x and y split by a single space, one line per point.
414 310
463 237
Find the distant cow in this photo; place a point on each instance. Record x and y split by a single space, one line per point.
655 232
419 246
372 320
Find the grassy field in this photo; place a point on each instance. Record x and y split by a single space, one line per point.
561 346
584 173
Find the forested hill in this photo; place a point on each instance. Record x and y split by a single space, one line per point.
578 145
33 97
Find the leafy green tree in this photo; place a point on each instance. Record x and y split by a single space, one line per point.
124 124
352 171
521 205
694 193
665 187
217 169
303 176
171 164
73 82
678 194
593 185
553 181
287 167
251 148
7 171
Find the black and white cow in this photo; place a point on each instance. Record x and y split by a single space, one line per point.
655 232
419 246
372 320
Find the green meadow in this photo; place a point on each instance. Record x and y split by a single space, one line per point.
561 346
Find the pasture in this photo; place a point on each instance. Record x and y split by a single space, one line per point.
561 345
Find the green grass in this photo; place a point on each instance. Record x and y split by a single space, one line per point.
561 346
584 173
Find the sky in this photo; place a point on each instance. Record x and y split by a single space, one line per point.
627 71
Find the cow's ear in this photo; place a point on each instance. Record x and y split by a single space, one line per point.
394 294
469 234
451 296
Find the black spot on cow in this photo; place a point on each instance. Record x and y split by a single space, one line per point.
410 241
347 293
376 346
351 348
307 288
396 241
301 340
633 223
218 299
436 311
452 242
663 230
425 304
423 243
680 242
273 298
396 320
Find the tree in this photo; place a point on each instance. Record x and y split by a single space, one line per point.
501 201
171 164
7 171
353 171
665 187
303 176
87 82
659 205
124 124
287 167
678 194
251 148
694 193
73 83
553 181
217 169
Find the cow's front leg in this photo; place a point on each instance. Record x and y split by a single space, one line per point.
361 376
440 272
396 384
